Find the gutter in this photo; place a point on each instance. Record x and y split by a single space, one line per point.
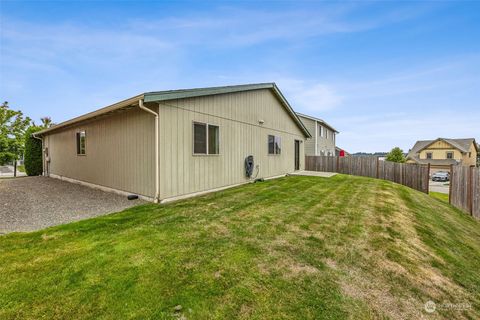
157 166
43 153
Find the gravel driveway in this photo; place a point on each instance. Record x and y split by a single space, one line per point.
33 203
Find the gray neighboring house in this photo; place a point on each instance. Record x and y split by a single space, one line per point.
171 144
322 142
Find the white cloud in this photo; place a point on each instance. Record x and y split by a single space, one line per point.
314 98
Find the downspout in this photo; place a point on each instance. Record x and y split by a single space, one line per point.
157 165
43 154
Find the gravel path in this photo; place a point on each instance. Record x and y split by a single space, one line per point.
33 203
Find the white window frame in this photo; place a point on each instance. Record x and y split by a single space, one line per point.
206 133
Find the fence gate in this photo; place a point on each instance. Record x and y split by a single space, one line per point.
465 189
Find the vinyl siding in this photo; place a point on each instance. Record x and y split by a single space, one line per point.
237 115
325 144
310 143
119 152
439 151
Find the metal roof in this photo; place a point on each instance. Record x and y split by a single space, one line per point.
182 94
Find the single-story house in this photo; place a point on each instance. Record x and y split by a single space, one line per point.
441 153
171 144
323 138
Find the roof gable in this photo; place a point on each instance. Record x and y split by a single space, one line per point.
461 144
198 92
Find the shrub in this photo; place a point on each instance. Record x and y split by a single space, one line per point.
396 155
33 153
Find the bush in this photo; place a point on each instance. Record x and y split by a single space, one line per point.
396 155
33 153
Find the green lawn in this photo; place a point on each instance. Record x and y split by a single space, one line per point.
440 196
295 247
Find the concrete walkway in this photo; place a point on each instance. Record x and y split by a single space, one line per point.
313 174
439 186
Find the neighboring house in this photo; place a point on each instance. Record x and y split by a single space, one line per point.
442 152
323 135
173 144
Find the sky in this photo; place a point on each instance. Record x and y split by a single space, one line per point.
382 73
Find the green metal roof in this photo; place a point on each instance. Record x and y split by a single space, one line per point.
197 92
181 94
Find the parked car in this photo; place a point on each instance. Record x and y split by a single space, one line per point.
441 176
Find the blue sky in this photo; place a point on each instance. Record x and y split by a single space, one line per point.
384 74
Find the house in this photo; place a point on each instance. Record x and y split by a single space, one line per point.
322 142
442 152
171 144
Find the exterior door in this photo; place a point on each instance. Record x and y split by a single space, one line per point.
297 155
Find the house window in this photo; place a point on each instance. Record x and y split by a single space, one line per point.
81 143
429 155
274 144
320 129
449 155
469 154
326 133
206 138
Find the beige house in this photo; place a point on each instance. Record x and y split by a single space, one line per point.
323 138
171 144
442 152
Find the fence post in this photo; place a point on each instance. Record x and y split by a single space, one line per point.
338 161
428 178
450 185
378 164
470 190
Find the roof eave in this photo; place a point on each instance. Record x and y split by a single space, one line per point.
318 120
91 115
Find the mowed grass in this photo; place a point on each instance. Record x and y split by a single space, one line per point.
290 248
440 196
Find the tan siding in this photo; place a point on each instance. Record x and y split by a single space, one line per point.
119 152
237 115
439 150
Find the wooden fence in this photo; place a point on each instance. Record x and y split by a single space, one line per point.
415 176
465 189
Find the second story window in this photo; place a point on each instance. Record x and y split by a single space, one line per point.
81 143
429 155
449 155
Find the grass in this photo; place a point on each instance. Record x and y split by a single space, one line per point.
440 196
21 168
295 247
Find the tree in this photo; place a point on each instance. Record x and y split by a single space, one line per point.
396 155
33 152
12 133
46 122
